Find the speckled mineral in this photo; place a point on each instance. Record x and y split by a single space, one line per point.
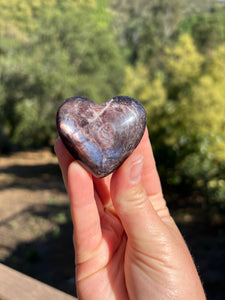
101 137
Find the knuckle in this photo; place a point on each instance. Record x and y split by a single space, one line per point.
137 197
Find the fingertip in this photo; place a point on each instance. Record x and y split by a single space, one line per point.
64 159
61 151
144 142
57 142
57 145
129 172
126 182
79 182
77 171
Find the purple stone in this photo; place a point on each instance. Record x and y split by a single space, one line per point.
101 137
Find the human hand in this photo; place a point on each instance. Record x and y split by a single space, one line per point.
127 245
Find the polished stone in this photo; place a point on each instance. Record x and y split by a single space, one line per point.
101 137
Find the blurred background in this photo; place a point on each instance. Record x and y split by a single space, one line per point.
169 55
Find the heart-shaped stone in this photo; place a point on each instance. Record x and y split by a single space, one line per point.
101 137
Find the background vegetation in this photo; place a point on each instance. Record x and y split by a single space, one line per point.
170 55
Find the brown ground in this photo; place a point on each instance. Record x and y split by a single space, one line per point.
35 223
36 230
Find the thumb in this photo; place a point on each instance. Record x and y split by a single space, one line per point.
131 202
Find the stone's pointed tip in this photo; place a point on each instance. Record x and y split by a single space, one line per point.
102 136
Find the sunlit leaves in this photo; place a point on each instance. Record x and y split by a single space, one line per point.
150 93
71 50
183 64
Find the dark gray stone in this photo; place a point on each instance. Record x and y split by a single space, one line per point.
101 137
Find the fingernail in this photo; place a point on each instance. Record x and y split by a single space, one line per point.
135 171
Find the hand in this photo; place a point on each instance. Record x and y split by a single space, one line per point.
127 245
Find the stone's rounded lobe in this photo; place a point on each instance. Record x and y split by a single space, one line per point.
101 137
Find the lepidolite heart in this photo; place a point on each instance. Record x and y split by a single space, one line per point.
101 137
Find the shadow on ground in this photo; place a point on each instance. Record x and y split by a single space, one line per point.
50 257
35 177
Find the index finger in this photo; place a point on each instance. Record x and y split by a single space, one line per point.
64 159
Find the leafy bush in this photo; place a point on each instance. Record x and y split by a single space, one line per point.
186 111
71 50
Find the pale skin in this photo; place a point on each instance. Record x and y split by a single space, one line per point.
127 246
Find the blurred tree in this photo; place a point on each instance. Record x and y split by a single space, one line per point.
196 131
183 67
208 95
193 7
23 14
151 94
207 29
196 87
71 51
145 27
186 111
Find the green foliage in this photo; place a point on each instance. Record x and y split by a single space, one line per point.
197 86
169 55
198 126
186 110
151 94
145 27
77 54
183 66
207 29
193 7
